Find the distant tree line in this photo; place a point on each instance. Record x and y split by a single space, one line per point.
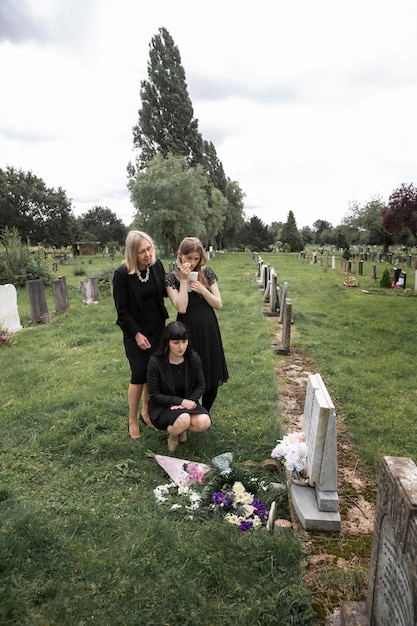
43 215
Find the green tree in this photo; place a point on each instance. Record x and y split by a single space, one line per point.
228 236
215 216
166 121
291 235
18 263
40 214
213 168
367 221
319 227
170 201
307 235
256 235
104 225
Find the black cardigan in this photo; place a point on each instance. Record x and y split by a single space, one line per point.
128 299
162 387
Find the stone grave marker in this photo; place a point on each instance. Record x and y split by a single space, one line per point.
283 346
392 587
37 301
318 508
283 296
89 290
59 287
9 314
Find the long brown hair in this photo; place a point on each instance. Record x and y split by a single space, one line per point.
189 245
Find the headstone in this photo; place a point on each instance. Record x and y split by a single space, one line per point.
283 296
9 314
59 287
283 346
392 586
318 508
37 301
274 294
264 277
89 290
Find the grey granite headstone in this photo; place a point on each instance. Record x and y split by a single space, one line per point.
59 287
9 314
318 508
392 587
283 296
283 346
89 290
37 301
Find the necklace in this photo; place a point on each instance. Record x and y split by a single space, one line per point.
146 278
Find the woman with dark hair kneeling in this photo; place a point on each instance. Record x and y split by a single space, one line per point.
176 383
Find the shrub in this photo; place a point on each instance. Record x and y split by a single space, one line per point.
385 281
18 263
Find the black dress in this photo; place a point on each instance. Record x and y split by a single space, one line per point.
140 308
202 324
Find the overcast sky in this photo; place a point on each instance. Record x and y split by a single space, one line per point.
311 105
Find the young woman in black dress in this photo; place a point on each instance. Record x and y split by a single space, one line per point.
176 382
196 301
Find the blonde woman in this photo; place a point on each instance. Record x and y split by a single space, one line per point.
139 291
196 302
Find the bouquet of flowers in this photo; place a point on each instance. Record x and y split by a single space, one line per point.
223 495
239 507
292 451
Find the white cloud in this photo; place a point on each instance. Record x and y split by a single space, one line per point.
310 105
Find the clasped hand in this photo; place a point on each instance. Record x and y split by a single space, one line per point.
185 404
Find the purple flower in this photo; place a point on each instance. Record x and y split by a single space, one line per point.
219 498
260 510
245 526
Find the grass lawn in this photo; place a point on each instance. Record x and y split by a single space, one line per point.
83 539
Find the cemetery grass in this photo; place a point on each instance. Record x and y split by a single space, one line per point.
83 539
361 341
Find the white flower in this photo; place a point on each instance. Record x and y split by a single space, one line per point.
257 522
293 450
248 509
241 495
232 518
175 507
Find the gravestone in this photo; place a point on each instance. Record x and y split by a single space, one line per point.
59 287
392 588
317 507
283 346
271 295
37 301
283 296
89 290
9 314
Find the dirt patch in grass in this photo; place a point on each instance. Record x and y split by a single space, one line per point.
336 564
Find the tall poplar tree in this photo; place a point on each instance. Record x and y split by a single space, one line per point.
166 121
